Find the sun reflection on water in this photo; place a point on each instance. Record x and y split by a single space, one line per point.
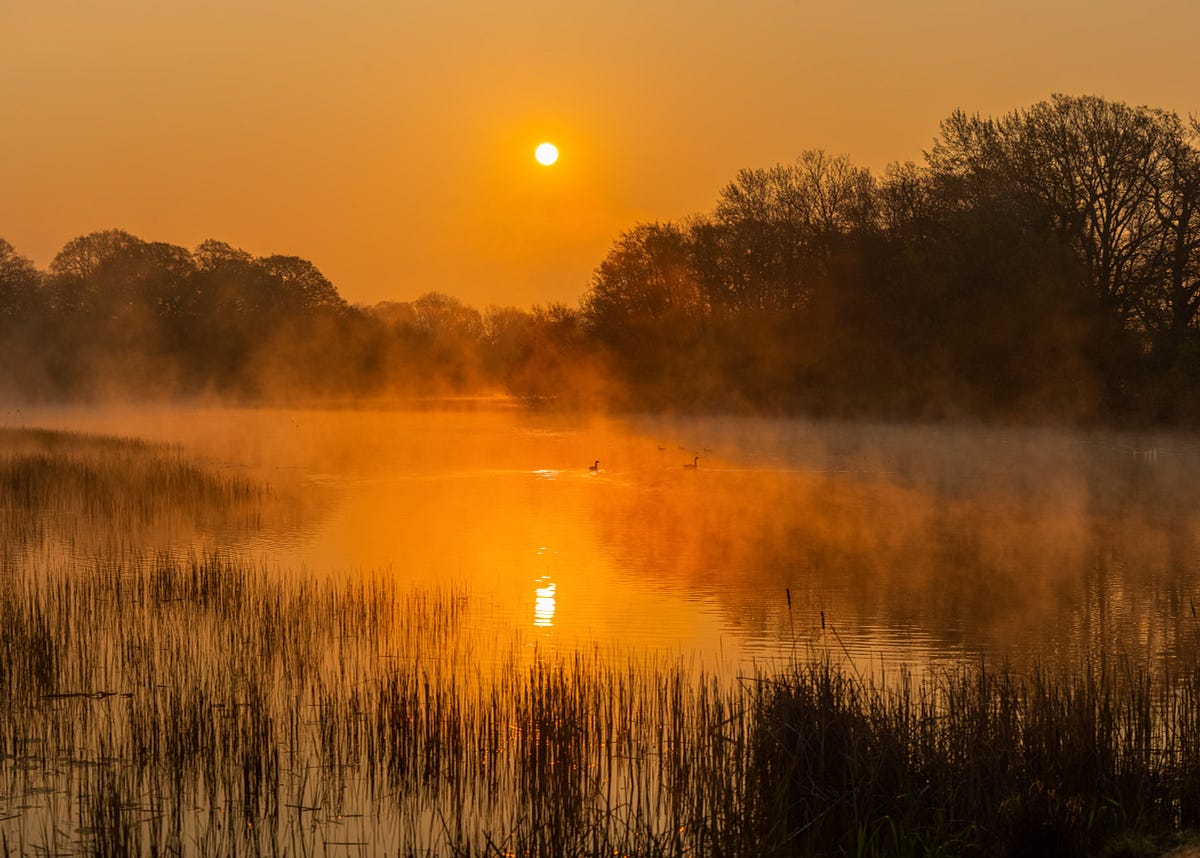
543 603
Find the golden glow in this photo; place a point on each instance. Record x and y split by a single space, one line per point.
462 499
543 603
546 154
402 171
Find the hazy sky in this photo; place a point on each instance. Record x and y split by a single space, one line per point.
391 141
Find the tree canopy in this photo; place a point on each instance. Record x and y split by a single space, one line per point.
1041 264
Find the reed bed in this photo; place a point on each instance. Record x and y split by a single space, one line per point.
205 704
100 496
200 705
973 760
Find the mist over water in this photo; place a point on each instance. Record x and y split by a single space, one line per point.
906 544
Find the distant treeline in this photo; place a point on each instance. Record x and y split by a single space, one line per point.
1044 264
116 316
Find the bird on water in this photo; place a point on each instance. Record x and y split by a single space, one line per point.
594 468
694 465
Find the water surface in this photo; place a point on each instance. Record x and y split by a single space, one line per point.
903 544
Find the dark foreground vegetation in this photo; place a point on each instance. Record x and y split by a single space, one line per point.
202 704
1044 264
202 707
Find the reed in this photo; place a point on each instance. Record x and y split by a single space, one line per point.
974 759
205 705
99 497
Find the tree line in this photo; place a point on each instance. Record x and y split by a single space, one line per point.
117 316
1045 263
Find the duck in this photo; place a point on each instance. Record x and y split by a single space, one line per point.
694 465
594 468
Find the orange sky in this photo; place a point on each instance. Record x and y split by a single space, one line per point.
391 141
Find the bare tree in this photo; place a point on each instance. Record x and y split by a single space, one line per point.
777 230
1173 304
304 283
1093 166
19 282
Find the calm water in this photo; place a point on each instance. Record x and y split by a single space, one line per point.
903 544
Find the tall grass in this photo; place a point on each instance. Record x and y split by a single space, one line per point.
206 706
973 759
100 497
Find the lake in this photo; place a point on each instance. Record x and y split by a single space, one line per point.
890 544
471 628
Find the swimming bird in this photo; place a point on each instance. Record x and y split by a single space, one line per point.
594 468
694 465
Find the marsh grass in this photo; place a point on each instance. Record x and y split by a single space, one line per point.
95 496
201 704
204 704
973 759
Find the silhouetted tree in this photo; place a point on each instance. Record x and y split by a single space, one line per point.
505 334
305 289
212 255
82 271
646 307
1093 165
1173 303
560 362
776 231
1112 181
23 315
434 345
19 284
1046 262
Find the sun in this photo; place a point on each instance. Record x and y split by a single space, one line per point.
546 154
